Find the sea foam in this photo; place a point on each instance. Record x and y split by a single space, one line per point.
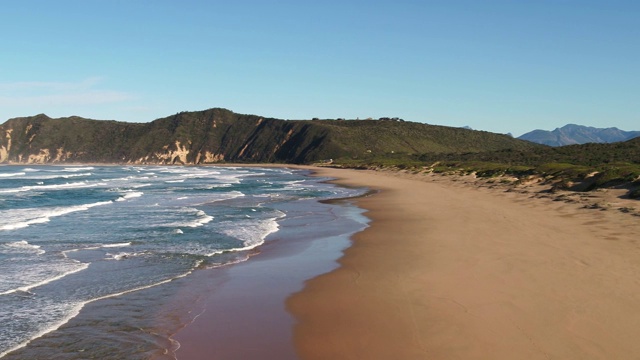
75 185
21 246
8 175
130 195
253 232
26 288
21 218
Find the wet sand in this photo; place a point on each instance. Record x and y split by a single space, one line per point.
448 271
244 316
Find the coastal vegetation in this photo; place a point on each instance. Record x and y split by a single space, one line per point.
222 136
576 167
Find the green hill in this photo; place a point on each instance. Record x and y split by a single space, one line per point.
219 135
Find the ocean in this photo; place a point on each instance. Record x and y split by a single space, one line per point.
91 256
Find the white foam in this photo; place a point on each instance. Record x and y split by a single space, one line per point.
233 262
201 218
77 307
12 174
26 288
252 233
76 169
21 218
177 170
59 176
130 195
75 310
213 186
116 245
23 246
122 255
75 185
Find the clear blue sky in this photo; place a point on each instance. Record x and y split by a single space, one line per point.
501 66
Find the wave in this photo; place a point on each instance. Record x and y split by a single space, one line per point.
75 185
252 233
77 307
59 176
201 218
128 178
130 195
116 245
8 175
195 171
22 246
75 310
24 217
76 169
96 247
26 288
122 255
213 186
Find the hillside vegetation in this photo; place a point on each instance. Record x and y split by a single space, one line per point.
219 135
575 167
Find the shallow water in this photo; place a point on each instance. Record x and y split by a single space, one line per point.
113 243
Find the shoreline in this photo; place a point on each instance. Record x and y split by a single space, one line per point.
449 267
244 316
446 271
177 305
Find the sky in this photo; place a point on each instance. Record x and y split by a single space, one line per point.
500 66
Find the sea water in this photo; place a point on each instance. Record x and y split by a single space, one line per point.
79 237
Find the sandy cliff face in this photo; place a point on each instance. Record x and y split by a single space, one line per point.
62 155
4 149
209 158
170 156
42 157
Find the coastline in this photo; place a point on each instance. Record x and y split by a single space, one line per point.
447 271
145 322
244 315
450 267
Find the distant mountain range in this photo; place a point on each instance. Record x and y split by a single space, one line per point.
577 134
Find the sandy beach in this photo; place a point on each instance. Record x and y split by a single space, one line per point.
449 268
450 271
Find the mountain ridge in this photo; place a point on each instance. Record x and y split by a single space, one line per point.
572 134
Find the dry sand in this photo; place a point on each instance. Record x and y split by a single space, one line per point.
447 271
